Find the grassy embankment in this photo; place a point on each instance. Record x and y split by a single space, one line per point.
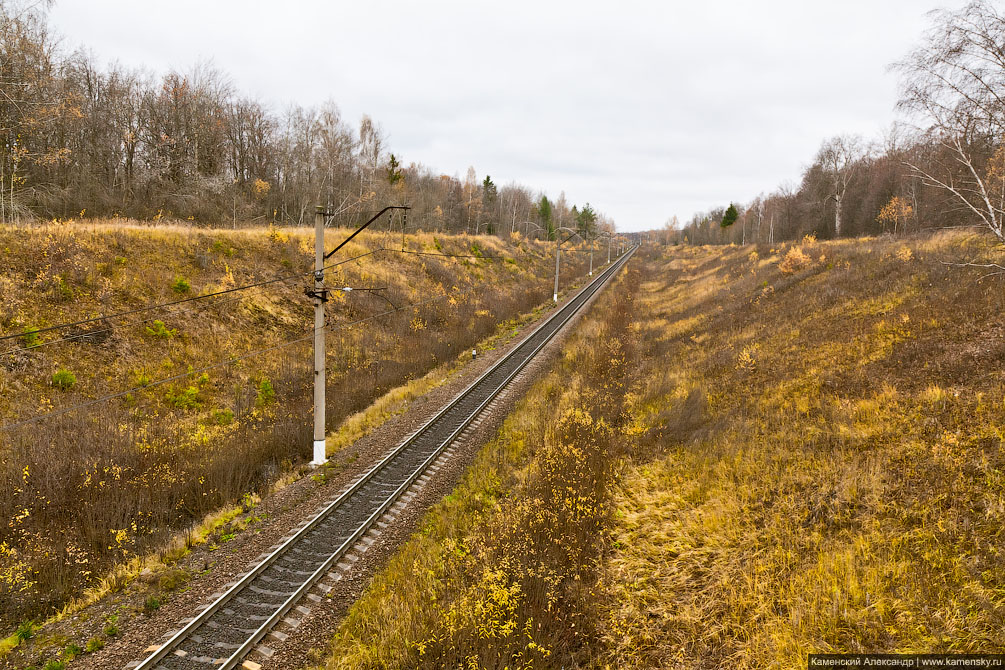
98 487
504 571
809 458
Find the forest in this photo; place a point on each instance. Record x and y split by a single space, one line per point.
81 140
941 165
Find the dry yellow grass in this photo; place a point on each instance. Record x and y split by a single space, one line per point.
503 567
811 460
396 400
832 494
136 469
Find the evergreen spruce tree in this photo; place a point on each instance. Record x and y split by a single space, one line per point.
730 217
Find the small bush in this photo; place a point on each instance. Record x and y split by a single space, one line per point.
64 289
173 579
111 630
93 645
220 247
187 398
31 338
142 378
160 330
249 501
278 236
54 665
794 261
64 380
223 417
180 285
25 631
72 651
151 605
266 394
746 361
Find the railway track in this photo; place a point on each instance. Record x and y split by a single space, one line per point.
232 626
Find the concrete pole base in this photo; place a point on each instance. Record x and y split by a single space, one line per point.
555 298
320 457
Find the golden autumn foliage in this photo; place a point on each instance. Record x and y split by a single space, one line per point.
896 213
260 189
794 261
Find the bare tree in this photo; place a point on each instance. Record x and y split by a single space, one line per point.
839 158
77 137
371 150
956 78
671 229
954 84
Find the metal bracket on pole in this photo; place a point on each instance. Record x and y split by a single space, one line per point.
321 295
323 213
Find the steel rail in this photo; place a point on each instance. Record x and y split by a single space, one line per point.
556 321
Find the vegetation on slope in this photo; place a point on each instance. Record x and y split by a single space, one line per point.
504 570
807 456
96 486
818 462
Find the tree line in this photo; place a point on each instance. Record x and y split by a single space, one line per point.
942 165
77 139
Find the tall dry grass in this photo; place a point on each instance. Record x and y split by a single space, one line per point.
820 458
807 456
88 489
504 570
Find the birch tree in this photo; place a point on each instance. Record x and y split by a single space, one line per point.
839 158
953 85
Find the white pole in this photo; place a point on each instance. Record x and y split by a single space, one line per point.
591 257
320 455
558 254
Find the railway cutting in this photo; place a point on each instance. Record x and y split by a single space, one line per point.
234 624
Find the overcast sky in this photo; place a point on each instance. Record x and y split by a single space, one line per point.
644 109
